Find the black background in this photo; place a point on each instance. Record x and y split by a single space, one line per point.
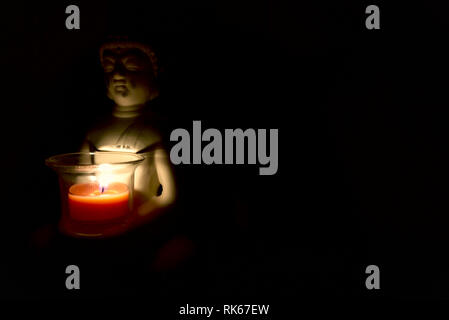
362 173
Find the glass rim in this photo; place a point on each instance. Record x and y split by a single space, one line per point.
57 161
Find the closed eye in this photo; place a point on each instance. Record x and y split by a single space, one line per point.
108 65
108 68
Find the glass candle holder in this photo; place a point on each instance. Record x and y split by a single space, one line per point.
96 190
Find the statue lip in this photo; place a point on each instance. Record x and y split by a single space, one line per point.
121 82
120 87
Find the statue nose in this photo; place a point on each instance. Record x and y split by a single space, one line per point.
119 72
118 76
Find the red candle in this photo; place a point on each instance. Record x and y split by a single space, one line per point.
93 202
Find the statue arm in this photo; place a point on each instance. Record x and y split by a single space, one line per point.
166 179
85 147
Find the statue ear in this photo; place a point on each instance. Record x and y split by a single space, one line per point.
108 93
106 85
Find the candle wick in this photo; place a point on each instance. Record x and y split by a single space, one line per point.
102 189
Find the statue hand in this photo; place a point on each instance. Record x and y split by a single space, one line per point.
149 207
149 210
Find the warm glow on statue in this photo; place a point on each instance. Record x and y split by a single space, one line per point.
131 70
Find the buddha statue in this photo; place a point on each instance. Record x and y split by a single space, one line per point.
130 72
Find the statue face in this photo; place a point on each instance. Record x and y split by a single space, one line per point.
129 76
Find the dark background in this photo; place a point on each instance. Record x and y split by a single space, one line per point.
362 173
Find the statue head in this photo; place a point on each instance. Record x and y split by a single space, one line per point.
130 70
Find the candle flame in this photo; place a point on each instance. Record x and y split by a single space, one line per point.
104 177
102 186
